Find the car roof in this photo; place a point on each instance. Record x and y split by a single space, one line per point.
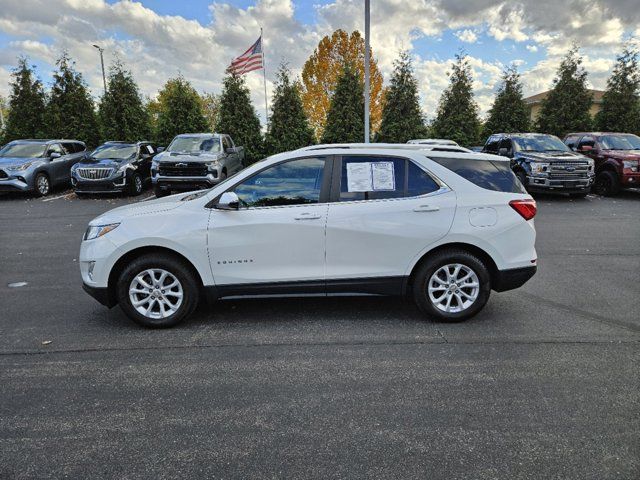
122 142
384 149
387 146
526 134
598 133
46 140
199 135
429 141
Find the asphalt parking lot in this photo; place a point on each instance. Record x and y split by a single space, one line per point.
544 383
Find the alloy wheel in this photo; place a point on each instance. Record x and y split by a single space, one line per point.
137 183
42 184
453 288
156 293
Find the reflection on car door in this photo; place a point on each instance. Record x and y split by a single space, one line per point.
394 220
277 235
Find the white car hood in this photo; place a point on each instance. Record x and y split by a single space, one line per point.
141 208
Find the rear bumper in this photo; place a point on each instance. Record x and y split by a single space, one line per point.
513 278
101 294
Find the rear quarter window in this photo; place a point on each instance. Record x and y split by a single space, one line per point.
492 175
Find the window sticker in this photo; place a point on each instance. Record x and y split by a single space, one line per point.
383 176
370 177
359 178
149 149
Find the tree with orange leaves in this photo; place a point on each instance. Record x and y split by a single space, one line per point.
322 70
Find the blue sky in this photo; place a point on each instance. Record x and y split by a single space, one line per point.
159 38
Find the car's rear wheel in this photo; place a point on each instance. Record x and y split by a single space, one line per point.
157 291
161 192
135 185
451 286
522 176
42 185
606 184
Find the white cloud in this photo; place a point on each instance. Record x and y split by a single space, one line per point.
532 48
467 36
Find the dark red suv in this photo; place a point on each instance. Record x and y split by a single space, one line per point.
616 157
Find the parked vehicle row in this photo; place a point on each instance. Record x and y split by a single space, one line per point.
192 161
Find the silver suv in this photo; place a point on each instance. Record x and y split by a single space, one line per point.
38 165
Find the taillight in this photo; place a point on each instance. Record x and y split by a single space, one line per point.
526 208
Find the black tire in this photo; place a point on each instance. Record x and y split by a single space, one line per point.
42 185
606 184
522 176
432 265
136 184
161 192
174 266
223 176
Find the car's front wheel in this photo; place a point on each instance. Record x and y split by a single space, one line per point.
42 184
157 291
606 184
136 185
452 286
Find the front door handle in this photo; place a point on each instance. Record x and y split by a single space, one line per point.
426 208
308 216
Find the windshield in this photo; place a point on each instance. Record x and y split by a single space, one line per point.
620 142
195 145
117 151
540 143
23 150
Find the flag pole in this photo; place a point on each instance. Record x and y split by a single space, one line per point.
366 69
264 77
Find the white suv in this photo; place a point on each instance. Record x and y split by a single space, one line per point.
444 228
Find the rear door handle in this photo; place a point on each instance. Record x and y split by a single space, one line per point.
426 208
308 216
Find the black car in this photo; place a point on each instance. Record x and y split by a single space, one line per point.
115 167
543 163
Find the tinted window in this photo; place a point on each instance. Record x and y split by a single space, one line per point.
419 182
55 148
384 175
297 182
571 142
489 174
226 143
505 143
70 147
587 141
492 144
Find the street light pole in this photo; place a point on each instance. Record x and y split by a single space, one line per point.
104 79
366 70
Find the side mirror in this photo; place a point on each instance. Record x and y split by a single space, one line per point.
585 148
228 201
230 150
159 149
503 152
53 155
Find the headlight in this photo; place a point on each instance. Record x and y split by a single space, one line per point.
539 167
24 166
123 168
213 165
630 165
591 165
96 231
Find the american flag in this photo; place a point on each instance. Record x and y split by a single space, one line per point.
250 60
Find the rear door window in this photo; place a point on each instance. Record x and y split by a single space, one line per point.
489 174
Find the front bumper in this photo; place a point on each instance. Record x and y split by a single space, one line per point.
631 180
14 185
116 183
513 278
101 294
550 184
186 183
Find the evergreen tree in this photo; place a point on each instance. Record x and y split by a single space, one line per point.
566 108
289 127
402 119
509 113
238 118
179 110
69 112
122 114
621 102
26 104
345 118
457 115
211 109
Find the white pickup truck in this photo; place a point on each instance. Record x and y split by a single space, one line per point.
195 160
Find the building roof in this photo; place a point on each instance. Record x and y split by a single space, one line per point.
539 97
